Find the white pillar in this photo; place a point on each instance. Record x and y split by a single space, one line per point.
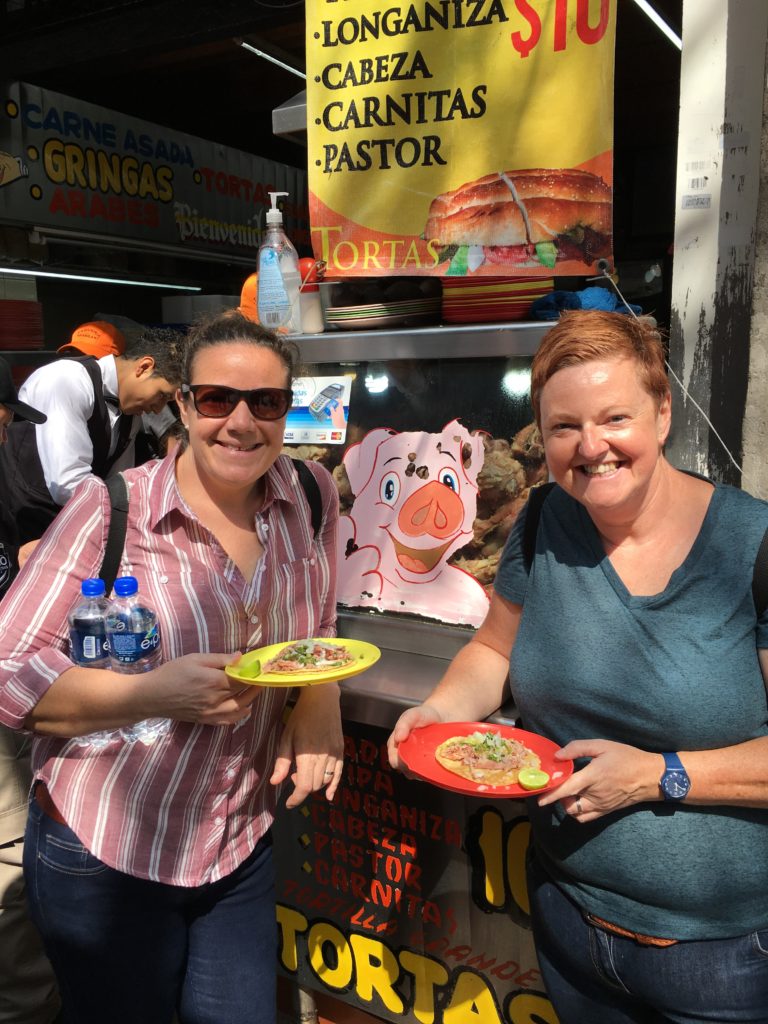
756 414
718 163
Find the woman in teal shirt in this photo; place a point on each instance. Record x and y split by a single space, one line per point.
634 643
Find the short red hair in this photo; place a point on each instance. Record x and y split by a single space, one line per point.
586 335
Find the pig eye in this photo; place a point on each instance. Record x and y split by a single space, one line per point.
449 478
390 488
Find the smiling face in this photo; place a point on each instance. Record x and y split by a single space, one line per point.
231 454
603 434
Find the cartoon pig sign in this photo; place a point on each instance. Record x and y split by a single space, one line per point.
415 503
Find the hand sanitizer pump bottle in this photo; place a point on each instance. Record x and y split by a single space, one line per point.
278 302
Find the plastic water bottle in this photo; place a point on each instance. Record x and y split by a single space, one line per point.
89 646
134 646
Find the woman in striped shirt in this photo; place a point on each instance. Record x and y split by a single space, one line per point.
149 866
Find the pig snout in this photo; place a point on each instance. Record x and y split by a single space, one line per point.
434 509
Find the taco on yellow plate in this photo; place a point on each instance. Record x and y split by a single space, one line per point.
309 656
487 758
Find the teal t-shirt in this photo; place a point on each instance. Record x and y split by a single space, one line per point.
675 671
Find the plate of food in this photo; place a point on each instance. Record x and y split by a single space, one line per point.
304 662
481 759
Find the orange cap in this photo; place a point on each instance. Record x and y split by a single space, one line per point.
248 297
97 338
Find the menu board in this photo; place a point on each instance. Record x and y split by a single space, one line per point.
457 137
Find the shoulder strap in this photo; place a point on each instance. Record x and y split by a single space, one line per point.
98 423
760 577
536 498
118 523
311 490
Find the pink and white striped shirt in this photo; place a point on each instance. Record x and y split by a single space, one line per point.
191 807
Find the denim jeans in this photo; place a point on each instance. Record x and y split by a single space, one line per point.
131 951
594 977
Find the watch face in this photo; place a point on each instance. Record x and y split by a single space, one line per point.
675 785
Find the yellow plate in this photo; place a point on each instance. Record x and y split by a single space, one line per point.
365 655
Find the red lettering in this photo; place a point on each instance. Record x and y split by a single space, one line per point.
135 211
207 173
524 46
586 33
561 24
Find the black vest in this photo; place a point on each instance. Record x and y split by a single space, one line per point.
25 494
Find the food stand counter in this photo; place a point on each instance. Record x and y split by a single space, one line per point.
407 900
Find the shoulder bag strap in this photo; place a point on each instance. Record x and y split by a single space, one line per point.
760 577
118 523
536 498
99 429
311 490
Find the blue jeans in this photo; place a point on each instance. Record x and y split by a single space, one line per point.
131 951
594 977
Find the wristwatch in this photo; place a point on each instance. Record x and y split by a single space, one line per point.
674 783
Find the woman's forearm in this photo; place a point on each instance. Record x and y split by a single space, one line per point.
474 685
84 700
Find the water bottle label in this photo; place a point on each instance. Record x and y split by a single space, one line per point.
128 648
93 647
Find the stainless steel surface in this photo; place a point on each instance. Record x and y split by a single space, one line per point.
440 342
402 677
398 633
291 116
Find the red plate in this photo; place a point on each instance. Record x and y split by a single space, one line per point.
418 755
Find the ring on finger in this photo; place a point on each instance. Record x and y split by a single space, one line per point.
328 771
579 808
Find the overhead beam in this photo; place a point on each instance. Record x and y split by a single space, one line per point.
50 42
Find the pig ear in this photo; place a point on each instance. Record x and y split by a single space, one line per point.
360 458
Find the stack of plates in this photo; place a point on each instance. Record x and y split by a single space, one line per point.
405 313
21 324
468 300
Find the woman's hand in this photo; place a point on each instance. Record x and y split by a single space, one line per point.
195 688
618 776
312 740
413 718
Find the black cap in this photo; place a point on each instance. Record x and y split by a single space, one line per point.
9 397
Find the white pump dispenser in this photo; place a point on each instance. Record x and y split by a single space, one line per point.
279 280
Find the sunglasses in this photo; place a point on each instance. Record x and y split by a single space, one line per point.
217 402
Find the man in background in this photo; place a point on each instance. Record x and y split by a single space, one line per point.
27 988
94 411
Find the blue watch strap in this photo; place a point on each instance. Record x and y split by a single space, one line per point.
673 763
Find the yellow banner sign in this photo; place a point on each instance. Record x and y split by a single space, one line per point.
455 137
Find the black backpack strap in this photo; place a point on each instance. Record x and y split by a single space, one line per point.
536 498
118 524
311 490
760 577
99 429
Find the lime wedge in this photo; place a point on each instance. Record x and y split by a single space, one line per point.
532 778
251 671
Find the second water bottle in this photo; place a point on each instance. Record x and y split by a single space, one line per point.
134 646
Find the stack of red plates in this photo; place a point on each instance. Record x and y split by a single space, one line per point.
21 324
473 300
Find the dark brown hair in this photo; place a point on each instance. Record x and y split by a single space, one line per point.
585 335
165 345
232 327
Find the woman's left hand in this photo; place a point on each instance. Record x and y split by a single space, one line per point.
312 745
617 776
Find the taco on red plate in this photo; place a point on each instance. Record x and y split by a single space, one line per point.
487 758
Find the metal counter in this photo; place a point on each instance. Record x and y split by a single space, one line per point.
401 678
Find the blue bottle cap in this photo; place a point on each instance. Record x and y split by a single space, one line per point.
126 585
92 588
